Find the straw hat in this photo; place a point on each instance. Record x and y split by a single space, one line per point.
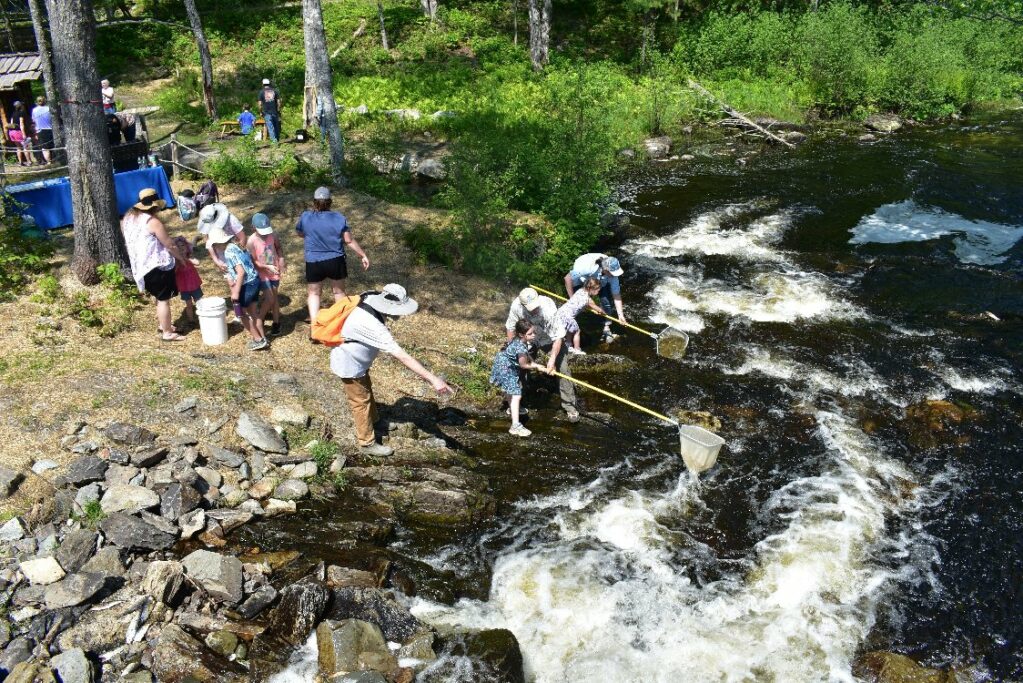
149 199
213 217
218 236
392 300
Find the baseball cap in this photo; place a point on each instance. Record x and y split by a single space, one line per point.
266 81
612 266
322 193
261 222
529 299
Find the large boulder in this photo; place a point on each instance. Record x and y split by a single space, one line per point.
260 434
423 495
86 469
128 498
179 499
658 148
432 169
352 645
128 434
165 582
131 533
498 651
288 625
180 657
219 575
291 489
883 123
376 607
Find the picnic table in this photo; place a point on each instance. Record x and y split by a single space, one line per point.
232 125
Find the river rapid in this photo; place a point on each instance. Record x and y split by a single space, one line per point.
856 315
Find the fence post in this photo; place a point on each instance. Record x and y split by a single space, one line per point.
174 156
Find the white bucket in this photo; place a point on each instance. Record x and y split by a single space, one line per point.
699 447
212 312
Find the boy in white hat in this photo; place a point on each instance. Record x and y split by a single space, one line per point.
268 257
219 217
244 279
366 335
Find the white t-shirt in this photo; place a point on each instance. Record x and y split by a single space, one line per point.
545 320
365 337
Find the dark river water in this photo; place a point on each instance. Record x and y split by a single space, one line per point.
856 315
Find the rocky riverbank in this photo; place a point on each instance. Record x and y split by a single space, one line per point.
122 571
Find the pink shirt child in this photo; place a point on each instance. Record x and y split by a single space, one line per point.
185 273
265 252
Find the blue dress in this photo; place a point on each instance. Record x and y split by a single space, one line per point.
507 375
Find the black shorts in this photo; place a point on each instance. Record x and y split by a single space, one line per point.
161 284
331 269
45 136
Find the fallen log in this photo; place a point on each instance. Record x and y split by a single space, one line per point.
344 46
737 117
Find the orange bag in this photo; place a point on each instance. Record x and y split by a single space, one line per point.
327 326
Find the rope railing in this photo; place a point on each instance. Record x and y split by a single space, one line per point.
31 171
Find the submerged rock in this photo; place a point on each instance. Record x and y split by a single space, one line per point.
376 607
933 422
883 123
700 418
496 649
352 645
890 667
289 624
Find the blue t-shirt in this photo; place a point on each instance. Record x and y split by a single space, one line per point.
247 120
234 256
324 234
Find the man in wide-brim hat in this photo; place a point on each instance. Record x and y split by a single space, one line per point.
366 335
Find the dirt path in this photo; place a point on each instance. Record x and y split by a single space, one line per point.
55 371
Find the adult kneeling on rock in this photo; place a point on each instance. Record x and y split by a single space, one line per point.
366 335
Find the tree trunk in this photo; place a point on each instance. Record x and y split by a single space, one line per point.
49 80
98 238
383 28
429 9
204 57
8 28
318 74
515 22
539 32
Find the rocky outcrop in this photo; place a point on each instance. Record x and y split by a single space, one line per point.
301 606
352 645
179 657
891 667
374 606
426 495
883 123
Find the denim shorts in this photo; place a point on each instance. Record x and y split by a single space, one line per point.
249 294
191 296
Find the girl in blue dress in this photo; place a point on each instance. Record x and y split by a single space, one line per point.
509 364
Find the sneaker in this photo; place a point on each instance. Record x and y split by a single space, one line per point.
376 449
608 336
259 345
572 414
519 430
572 351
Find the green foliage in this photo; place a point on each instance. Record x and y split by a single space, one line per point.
323 453
247 164
109 309
473 376
48 290
92 514
20 258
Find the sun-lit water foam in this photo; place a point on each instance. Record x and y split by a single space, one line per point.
975 241
706 235
303 665
609 601
972 384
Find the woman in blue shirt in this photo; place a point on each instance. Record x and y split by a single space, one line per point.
326 233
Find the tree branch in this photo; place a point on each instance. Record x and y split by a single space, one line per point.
118 22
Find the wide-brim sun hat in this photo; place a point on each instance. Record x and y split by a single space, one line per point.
392 300
149 199
613 266
218 236
213 217
529 298
261 223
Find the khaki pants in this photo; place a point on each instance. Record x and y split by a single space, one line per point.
565 388
359 392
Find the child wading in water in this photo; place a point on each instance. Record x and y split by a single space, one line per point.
269 259
583 298
509 364
187 277
244 280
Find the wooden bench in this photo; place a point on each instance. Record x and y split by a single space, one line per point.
233 126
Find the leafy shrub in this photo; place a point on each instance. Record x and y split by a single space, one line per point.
242 165
20 258
109 309
48 290
835 54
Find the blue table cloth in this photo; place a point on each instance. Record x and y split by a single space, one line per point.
49 201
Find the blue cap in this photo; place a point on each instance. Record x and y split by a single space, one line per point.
261 222
612 266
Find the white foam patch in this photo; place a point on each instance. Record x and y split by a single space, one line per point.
303 665
972 384
975 241
860 380
609 601
705 235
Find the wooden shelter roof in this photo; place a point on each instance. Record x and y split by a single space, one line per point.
17 67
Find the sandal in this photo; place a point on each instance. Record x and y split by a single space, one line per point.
173 337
